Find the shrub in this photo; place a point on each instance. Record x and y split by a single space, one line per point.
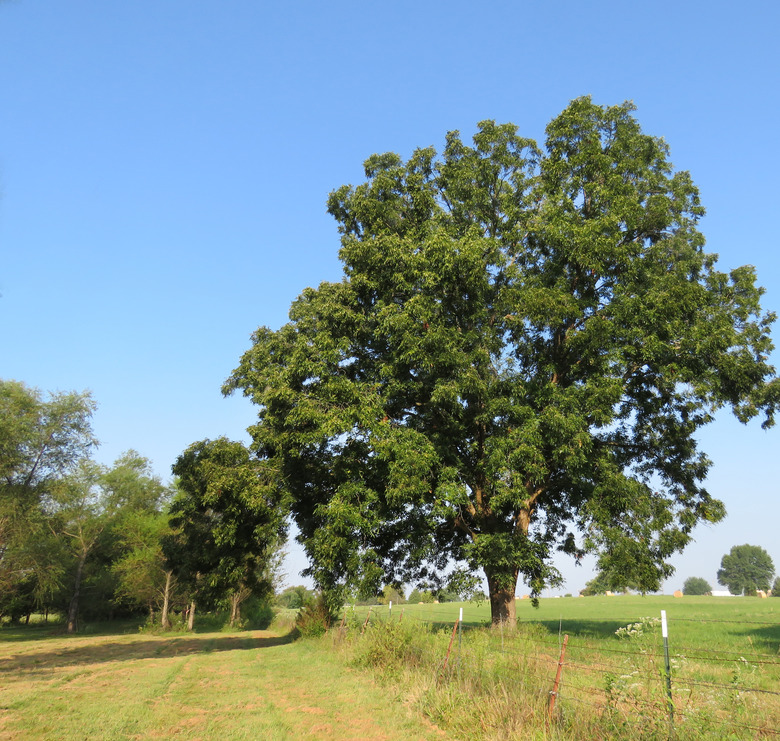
257 613
389 647
314 618
776 588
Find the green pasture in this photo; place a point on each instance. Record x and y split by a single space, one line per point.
600 616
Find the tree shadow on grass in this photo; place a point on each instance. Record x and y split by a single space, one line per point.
581 628
35 662
765 638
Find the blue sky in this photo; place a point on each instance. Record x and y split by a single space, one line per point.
164 168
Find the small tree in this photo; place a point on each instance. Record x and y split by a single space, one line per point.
225 519
745 569
144 578
391 594
420 596
599 584
776 587
696 586
293 598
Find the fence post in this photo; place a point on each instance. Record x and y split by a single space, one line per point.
554 692
449 648
368 615
389 610
668 672
460 638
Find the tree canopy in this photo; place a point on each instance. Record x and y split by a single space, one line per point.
522 348
226 521
43 440
745 569
696 586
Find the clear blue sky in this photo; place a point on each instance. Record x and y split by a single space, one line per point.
164 168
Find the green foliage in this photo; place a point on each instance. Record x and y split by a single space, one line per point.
524 346
424 596
140 568
696 586
257 613
226 521
109 525
293 598
314 618
391 594
599 584
616 580
745 569
390 646
776 587
42 441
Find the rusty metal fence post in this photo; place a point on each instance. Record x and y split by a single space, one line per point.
554 692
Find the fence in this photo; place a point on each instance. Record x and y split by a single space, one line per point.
640 676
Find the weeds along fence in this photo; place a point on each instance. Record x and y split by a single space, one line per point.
649 678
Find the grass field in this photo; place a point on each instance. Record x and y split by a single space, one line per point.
389 682
252 685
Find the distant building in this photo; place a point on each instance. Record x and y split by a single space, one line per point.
722 593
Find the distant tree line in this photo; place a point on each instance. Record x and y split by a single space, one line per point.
745 570
91 542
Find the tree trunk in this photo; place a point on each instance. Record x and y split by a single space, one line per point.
73 608
501 586
191 616
235 603
165 621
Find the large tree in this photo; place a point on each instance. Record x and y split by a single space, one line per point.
43 439
516 362
745 569
94 502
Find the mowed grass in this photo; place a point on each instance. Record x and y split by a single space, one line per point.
251 685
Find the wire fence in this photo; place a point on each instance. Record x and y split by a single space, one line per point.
639 680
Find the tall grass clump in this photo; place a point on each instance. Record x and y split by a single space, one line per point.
481 692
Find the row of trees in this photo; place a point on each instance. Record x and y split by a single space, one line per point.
80 538
745 569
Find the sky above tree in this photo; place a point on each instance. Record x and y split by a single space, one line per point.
164 170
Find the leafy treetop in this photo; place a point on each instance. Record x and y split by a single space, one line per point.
746 569
516 362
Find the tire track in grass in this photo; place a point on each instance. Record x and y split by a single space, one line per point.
323 699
